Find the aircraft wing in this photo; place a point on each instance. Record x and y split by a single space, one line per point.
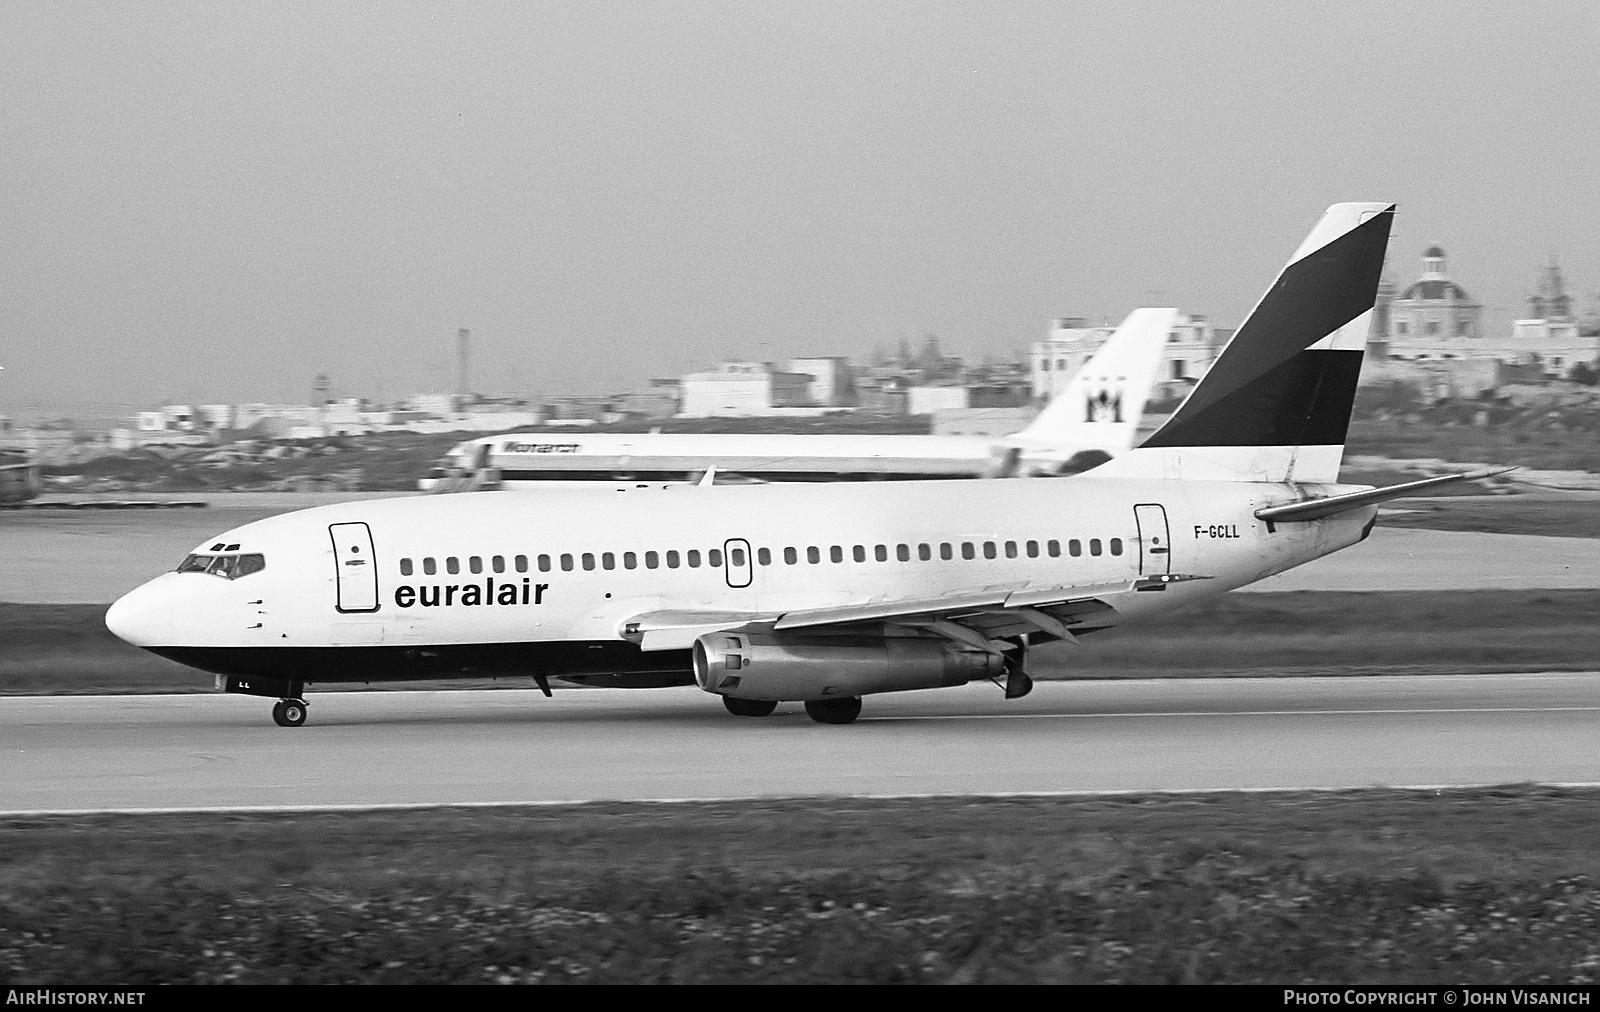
979 619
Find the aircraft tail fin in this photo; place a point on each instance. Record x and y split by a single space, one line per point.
1275 405
1100 407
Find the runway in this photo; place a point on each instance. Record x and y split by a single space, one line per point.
196 752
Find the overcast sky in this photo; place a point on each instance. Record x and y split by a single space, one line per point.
209 202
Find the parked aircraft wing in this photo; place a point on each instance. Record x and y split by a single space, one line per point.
1316 509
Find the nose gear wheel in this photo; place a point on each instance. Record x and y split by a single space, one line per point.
289 712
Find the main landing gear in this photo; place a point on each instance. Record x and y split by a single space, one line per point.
834 711
289 712
749 707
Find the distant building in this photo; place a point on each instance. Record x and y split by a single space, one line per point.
1551 335
746 390
1434 319
832 381
1069 344
929 400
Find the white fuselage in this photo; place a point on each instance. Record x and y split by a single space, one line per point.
573 566
525 461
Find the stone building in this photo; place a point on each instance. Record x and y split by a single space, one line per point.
1433 317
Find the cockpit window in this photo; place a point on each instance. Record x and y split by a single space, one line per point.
229 567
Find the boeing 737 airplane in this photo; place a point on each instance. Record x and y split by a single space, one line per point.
822 593
1092 419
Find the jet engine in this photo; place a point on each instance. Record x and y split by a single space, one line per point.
777 667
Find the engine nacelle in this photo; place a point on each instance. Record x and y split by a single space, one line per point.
778 667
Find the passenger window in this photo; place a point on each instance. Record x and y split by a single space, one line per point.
1033 549
475 564
566 562
764 556
880 552
1054 548
452 565
988 550
836 553
789 557
1075 547
859 553
498 563
608 560
694 558
967 551
902 552
1094 546
924 551
429 566
1011 549
405 567
813 555
946 552
672 560
544 564
630 560
588 560
652 560
714 558
1116 546
522 563
737 556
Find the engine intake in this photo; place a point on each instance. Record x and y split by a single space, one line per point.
768 666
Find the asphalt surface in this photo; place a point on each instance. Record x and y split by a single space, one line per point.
514 746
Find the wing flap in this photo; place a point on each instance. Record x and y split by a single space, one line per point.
977 619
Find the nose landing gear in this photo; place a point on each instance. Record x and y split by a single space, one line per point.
289 712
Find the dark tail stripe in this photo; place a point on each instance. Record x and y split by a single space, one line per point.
1312 298
1302 402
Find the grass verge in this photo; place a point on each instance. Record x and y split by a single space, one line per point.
1471 886
67 649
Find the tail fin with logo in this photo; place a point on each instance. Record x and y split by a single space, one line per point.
1275 405
1101 405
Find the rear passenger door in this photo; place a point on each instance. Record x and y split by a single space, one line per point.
1155 546
356 570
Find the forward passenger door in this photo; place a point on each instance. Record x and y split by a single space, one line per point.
356 568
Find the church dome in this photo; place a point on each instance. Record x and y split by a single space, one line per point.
1434 285
1435 289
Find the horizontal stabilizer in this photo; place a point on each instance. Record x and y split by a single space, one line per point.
1316 509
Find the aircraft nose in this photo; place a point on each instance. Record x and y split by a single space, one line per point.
141 617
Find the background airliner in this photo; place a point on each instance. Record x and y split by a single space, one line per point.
817 592
1092 419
